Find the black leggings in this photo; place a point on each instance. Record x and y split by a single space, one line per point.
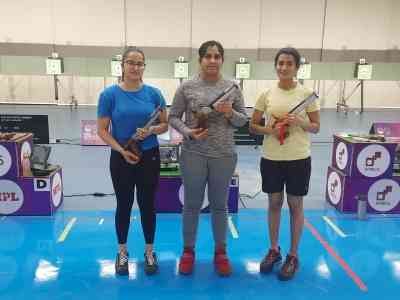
144 176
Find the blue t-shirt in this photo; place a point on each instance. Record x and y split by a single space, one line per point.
129 111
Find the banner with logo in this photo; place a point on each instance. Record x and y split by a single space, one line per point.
31 196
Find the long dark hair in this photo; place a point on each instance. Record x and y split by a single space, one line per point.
125 55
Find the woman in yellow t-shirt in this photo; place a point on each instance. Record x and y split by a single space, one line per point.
286 161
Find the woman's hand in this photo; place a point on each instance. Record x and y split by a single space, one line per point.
199 133
224 107
294 120
130 157
143 133
277 124
276 129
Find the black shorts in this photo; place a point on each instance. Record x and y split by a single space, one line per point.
294 174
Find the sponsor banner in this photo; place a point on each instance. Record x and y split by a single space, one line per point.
11 197
373 160
89 135
56 190
5 161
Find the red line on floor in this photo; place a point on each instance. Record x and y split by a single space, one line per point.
340 260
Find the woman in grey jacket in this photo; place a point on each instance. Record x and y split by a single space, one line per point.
208 151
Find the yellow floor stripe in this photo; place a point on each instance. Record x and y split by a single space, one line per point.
334 227
232 228
67 229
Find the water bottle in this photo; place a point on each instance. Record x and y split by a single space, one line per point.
361 206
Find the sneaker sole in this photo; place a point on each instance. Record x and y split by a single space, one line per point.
123 273
186 273
223 274
285 278
151 272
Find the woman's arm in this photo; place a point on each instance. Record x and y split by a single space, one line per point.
255 126
314 124
103 124
162 127
311 125
237 116
176 112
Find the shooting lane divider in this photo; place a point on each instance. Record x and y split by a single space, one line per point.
67 229
357 280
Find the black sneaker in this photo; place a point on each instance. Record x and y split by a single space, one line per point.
268 262
121 263
289 268
150 264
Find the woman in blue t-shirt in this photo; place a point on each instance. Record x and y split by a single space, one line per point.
126 107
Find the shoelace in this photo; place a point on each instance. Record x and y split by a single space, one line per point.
150 259
123 259
291 263
271 256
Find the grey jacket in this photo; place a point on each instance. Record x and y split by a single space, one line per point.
196 93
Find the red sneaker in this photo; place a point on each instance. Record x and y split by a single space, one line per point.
186 262
221 263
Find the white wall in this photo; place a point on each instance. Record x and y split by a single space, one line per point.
159 23
32 89
26 21
252 24
295 23
394 25
89 22
358 24
355 24
233 22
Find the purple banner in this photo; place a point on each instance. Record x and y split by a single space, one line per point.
388 129
14 157
34 196
170 195
382 194
363 159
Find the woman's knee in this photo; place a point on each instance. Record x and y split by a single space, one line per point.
295 204
218 206
192 206
275 201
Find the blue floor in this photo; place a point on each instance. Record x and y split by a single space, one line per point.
341 257
352 259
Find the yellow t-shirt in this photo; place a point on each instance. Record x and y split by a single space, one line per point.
278 102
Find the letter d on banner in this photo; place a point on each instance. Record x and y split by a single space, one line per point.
41 184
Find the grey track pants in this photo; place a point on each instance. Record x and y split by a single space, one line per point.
197 172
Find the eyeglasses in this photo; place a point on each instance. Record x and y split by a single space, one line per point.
138 64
